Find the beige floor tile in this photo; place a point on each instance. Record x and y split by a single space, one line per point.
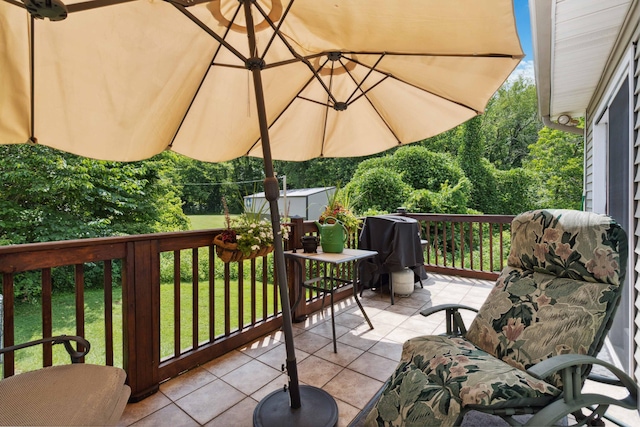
390 318
346 413
353 388
186 383
277 356
136 411
400 335
364 339
316 371
261 345
209 401
345 355
374 366
387 348
239 415
251 376
350 320
278 383
423 324
414 301
326 330
170 415
310 342
227 363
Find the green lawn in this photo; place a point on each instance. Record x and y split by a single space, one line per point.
29 324
202 222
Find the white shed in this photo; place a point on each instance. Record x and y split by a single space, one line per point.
308 203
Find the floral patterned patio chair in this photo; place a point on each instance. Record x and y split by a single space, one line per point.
534 340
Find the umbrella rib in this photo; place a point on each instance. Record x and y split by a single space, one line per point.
406 83
285 109
359 85
276 29
208 30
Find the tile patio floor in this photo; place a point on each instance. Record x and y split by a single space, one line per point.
225 391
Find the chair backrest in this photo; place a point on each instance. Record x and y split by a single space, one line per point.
559 291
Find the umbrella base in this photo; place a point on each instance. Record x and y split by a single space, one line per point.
318 409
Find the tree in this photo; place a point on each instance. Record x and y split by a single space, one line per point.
204 185
424 169
378 189
477 168
322 172
556 165
510 123
48 195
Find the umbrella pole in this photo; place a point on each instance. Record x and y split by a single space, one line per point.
277 409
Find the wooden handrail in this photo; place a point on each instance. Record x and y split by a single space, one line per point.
454 241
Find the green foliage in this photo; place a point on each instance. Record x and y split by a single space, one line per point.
448 200
556 165
424 169
385 161
511 124
478 169
203 185
28 285
446 142
380 189
48 195
514 191
341 207
317 172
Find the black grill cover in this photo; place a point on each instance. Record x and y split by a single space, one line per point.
397 241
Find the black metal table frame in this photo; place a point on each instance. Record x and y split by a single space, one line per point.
327 284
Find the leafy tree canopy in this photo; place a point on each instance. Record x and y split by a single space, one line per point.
48 195
556 167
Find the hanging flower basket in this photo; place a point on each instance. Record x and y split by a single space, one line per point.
229 252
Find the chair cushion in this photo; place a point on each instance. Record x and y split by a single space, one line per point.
65 395
565 243
530 316
438 376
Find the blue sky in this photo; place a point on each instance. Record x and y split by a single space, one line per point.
523 23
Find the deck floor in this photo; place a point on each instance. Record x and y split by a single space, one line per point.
225 391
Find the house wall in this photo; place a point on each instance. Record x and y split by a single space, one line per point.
625 56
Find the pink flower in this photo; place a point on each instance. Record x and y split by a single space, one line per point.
550 235
438 361
478 394
543 300
513 329
457 371
602 265
563 250
540 251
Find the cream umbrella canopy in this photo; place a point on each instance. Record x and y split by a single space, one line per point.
285 79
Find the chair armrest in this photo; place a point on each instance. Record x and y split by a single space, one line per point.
455 324
570 367
76 356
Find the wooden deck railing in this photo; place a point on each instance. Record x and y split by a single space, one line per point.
169 304
465 245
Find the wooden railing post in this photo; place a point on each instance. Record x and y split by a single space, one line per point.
297 231
141 318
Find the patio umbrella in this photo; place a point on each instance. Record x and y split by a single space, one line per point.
215 80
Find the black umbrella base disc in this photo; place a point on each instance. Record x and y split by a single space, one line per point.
318 409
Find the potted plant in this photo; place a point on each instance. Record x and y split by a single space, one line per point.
246 236
340 207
